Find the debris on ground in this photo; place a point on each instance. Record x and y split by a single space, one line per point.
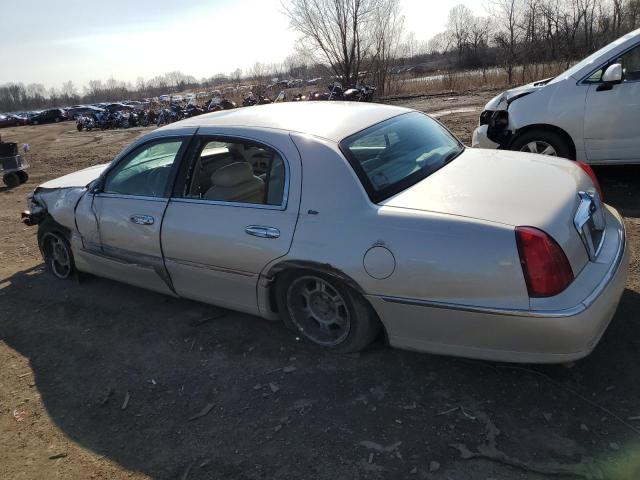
19 414
289 369
125 403
434 466
274 387
378 447
57 455
490 451
186 473
104 398
207 408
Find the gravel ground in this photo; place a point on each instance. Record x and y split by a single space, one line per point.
102 380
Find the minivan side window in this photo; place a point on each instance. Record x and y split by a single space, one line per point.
630 63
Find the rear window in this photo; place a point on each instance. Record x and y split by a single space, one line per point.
393 155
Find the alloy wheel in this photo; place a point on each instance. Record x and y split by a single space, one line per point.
57 255
540 147
318 310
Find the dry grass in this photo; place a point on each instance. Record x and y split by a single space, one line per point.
493 78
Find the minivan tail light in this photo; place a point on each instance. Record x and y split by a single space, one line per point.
546 269
589 171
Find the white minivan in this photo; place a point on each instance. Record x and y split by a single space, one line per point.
590 113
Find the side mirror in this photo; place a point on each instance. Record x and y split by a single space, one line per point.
97 185
613 74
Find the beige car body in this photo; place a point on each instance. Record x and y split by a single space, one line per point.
438 262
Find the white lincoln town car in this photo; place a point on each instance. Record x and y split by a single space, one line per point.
347 221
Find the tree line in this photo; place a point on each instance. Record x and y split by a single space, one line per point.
358 41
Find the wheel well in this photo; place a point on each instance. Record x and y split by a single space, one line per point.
550 128
49 223
292 265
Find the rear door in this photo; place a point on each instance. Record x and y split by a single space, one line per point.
233 212
120 223
612 129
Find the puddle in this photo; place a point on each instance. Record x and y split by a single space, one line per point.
451 111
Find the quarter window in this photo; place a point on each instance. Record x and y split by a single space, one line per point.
145 172
236 172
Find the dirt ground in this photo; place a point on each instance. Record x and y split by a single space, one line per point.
104 381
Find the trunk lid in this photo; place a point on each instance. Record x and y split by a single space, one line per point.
512 188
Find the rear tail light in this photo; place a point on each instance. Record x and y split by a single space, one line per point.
546 269
589 171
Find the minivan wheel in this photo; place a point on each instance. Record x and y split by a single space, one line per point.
543 142
56 251
325 312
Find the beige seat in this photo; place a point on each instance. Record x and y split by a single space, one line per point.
235 183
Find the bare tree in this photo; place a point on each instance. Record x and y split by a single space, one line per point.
338 31
507 38
459 29
388 23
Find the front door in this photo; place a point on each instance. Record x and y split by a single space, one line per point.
235 212
611 126
123 240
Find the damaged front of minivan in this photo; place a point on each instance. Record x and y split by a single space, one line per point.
497 128
551 117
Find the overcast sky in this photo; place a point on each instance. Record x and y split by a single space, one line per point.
49 42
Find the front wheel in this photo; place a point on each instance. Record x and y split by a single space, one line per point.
543 142
56 251
325 311
11 179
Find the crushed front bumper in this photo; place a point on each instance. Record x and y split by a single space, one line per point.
481 140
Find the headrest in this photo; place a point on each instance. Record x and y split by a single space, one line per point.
232 175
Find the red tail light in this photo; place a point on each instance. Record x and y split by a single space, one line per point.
545 266
589 171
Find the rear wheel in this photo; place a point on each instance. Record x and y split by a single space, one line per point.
325 311
56 250
11 179
543 142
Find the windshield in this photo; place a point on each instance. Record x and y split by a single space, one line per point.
591 59
397 153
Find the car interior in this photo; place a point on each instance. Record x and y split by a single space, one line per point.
237 172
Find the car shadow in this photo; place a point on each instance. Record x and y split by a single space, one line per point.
218 394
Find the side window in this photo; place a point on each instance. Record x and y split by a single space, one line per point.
144 172
630 63
236 171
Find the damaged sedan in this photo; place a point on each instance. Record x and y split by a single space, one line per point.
587 113
348 221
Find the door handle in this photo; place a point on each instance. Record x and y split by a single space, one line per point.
262 232
142 219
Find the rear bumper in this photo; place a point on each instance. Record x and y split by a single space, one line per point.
528 336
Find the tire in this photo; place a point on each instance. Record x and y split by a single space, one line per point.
11 180
542 141
23 176
56 250
331 315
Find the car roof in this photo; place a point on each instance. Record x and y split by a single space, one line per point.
331 120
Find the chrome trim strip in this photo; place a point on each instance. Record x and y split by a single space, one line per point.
568 312
130 197
261 206
211 267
